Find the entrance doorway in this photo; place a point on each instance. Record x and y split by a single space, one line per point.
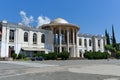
11 51
80 53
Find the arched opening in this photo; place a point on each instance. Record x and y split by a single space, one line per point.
25 37
43 38
34 38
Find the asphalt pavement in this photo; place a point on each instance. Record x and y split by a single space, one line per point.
60 70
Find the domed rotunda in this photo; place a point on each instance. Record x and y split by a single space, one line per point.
65 36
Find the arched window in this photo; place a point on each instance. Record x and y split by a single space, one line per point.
43 38
85 42
99 43
25 37
90 42
34 38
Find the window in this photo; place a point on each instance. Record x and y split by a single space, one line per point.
43 38
85 42
25 37
80 42
90 42
34 38
11 36
99 43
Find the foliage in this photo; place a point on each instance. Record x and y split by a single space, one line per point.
107 37
49 56
52 56
113 37
118 55
20 56
88 55
113 47
114 50
14 55
110 48
96 55
36 54
64 55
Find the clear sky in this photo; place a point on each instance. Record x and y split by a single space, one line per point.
93 16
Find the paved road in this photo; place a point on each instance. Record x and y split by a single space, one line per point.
60 70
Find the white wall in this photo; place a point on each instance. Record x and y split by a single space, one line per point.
19 41
82 48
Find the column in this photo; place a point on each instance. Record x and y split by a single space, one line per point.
67 39
73 41
102 45
64 37
60 40
87 42
53 39
73 37
16 41
77 50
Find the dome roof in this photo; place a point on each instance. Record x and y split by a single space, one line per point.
59 21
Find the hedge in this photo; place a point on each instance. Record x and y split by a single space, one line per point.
53 55
96 55
63 55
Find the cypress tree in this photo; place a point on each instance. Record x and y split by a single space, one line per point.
113 37
107 37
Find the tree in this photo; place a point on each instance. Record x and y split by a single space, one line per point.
107 37
113 37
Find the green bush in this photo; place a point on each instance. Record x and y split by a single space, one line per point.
118 55
14 55
45 56
52 56
88 55
96 55
106 55
63 55
20 56
49 56
36 54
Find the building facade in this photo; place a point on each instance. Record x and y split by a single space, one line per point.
57 36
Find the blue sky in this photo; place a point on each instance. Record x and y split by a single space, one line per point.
93 16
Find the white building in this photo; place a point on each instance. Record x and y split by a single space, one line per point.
57 36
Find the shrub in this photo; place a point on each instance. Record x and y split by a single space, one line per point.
96 55
63 55
118 55
40 54
52 55
88 55
49 56
106 55
20 56
14 55
36 54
